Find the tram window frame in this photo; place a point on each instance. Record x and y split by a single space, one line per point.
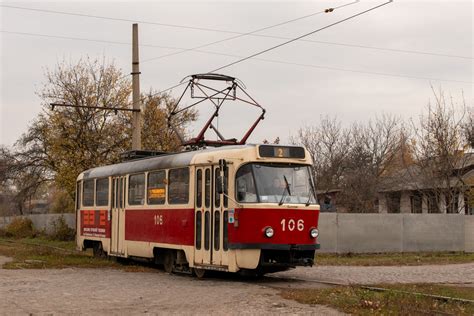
217 196
133 198
180 193
99 195
87 199
207 188
161 184
78 195
199 188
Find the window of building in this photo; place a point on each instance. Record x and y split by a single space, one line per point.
136 189
156 187
416 200
178 186
432 200
452 202
393 202
88 193
102 192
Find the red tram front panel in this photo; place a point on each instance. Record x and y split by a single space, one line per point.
95 223
291 227
169 226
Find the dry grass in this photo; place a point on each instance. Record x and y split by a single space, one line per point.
41 253
359 301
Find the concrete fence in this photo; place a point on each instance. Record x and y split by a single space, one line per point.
43 221
365 233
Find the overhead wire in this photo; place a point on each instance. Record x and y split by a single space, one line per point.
197 49
240 56
301 36
252 34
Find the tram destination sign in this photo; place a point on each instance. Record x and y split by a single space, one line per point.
270 151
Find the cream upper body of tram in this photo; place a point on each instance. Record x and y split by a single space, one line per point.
231 208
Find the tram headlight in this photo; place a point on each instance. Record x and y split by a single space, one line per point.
314 232
268 231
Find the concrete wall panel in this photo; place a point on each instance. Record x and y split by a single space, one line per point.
469 233
328 232
43 221
433 232
365 233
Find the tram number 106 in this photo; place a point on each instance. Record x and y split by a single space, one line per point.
292 224
158 219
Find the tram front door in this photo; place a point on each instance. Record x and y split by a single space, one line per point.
117 235
210 219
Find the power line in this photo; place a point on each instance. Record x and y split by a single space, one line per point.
251 33
302 36
117 19
240 56
197 50
87 39
341 69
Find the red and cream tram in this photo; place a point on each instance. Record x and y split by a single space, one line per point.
248 208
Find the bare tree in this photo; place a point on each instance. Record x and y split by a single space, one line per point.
440 138
352 159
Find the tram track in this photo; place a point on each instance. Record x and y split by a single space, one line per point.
378 289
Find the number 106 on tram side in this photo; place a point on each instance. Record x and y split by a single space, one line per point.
242 208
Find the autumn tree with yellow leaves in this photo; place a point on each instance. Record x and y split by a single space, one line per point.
64 141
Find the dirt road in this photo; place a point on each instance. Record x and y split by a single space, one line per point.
107 291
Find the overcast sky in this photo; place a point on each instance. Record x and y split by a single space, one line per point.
302 81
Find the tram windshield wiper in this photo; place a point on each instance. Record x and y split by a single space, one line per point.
287 189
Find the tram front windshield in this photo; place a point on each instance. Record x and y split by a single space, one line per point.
274 183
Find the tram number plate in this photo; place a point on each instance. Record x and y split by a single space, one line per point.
158 219
292 224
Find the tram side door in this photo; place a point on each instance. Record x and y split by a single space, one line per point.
209 219
118 216
219 221
203 214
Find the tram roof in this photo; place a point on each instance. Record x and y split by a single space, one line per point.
172 160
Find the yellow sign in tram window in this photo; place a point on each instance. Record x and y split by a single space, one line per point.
156 193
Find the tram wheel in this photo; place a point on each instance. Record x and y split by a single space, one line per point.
199 273
98 250
168 262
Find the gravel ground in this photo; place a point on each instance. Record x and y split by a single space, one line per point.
106 291
452 273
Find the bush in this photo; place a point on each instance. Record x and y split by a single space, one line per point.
61 231
20 227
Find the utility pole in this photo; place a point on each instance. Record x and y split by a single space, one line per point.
136 120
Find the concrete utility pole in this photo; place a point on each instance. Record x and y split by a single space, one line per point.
136 121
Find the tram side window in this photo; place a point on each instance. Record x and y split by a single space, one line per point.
88 193
136 189
245 186
178 186
156 187
102 192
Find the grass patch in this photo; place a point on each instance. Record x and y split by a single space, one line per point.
42 253
394 259
358 301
